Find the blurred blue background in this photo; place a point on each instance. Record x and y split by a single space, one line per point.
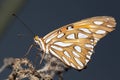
44 16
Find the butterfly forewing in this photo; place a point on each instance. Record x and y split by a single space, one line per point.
73 44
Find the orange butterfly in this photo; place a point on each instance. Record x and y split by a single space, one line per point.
73 44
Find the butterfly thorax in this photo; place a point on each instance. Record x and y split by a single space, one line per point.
40 42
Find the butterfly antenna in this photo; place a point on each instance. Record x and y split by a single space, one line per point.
26 26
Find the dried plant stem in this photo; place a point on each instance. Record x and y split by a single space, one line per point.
23 68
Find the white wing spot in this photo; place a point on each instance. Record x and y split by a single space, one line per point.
78 61
72 65
60 35
57 48
75 54
88 56
80 35
110 26
63 44
90 52
49 38
66 53
79 67
91 40
98 22
77 48
87 61
66 61
100 32
89 45
85 30
55 54
96 40
71 36
70 27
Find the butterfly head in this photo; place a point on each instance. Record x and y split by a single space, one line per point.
37 40
40 42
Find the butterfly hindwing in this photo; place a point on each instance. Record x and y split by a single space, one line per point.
73 44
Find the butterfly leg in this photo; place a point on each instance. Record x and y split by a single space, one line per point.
36 58
42 57
28 51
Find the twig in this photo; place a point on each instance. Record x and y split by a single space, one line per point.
7 62
23 68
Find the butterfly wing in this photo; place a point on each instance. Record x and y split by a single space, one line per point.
73 44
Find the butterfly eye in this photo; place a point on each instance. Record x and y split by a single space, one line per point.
36 38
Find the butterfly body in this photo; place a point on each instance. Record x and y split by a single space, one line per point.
74 43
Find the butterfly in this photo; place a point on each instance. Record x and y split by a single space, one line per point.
74 43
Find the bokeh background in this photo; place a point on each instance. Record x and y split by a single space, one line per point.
43 16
